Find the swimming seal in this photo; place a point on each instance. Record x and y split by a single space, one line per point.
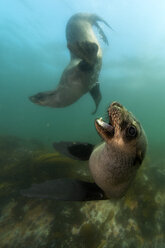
113 163
81 74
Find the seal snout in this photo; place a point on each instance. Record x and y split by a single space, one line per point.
38 98
35 100
115 112
115 104
32 99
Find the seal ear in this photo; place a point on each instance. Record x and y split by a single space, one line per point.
139 158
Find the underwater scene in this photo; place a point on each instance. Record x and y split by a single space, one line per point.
82 138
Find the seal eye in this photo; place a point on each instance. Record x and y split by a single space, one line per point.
131 131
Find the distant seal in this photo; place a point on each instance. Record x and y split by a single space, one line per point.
81 74
113 163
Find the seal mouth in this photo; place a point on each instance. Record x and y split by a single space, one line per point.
105 130
115 116
100 124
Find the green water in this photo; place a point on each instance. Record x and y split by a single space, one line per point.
33 54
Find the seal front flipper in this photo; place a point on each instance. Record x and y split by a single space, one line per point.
96 95
65 189
85 50
74 150
85 66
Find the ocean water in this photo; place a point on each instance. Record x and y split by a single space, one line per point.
33 54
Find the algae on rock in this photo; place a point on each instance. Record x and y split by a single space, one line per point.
136 220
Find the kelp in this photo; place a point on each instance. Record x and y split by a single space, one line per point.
136 220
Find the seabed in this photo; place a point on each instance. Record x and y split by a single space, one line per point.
137 220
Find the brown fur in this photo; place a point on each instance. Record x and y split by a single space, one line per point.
114 163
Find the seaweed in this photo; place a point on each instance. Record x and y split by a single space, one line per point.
24 222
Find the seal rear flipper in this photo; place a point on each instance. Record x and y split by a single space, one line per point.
85 50
96 95
74 150
65 189
96 18
102 35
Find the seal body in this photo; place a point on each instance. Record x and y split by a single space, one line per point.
81 74
112 170
114 163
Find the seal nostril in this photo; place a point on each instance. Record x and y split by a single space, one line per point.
117 104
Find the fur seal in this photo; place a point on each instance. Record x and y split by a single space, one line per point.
113 163
81 74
